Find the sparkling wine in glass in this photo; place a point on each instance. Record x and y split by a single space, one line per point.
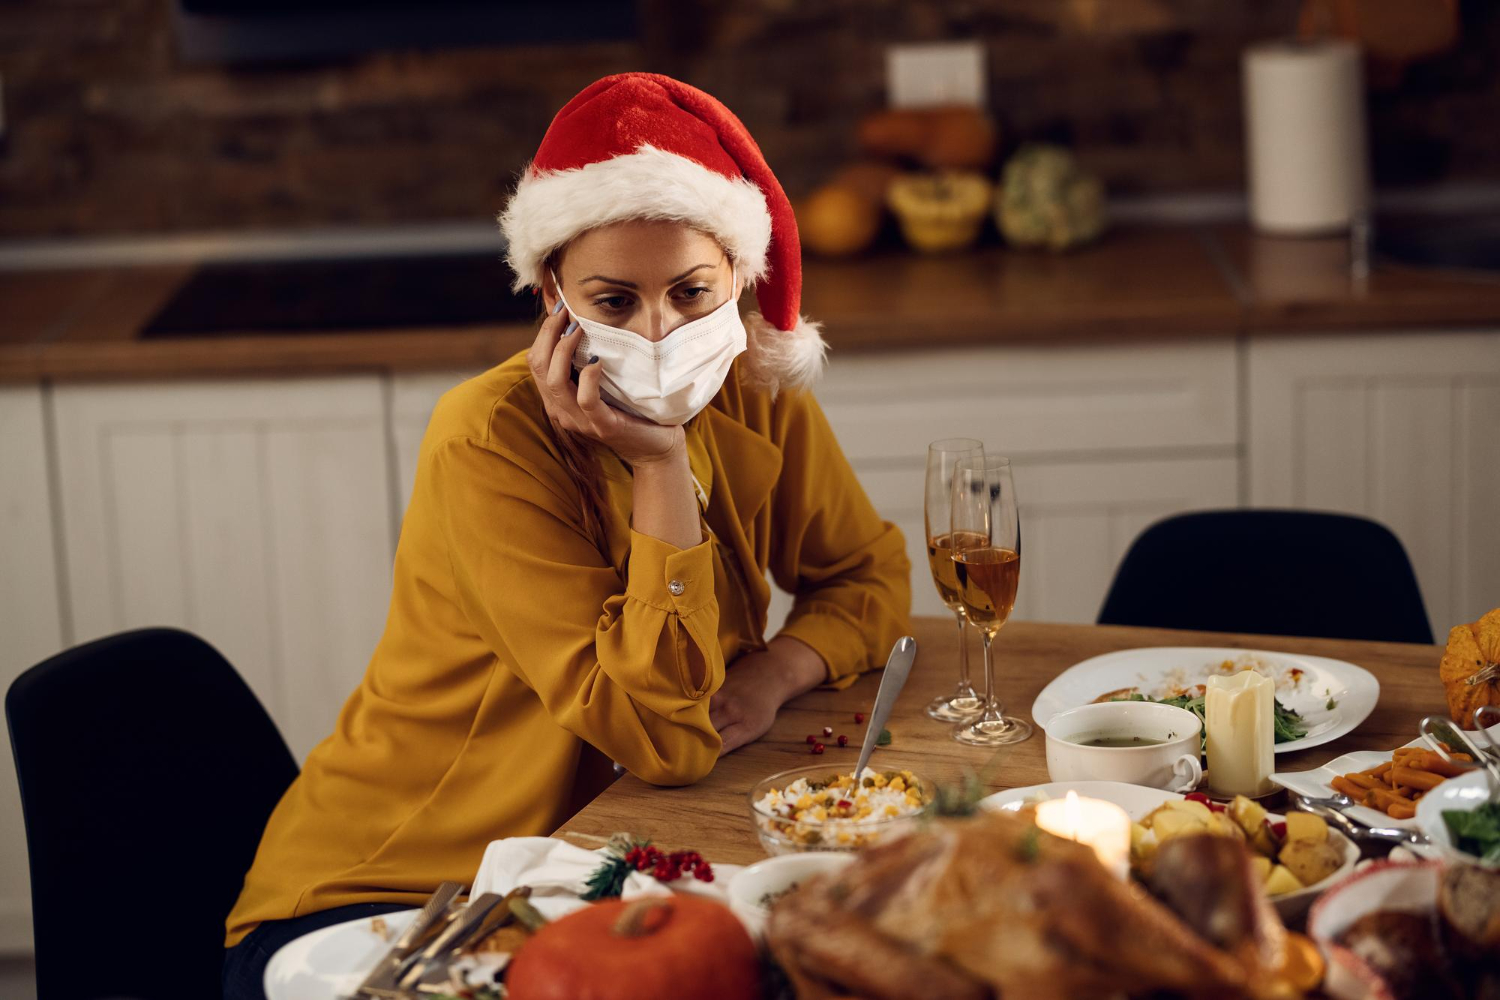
943 457
985 533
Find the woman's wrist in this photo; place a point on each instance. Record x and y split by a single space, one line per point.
664 505
799 667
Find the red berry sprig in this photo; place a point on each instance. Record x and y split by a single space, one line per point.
668 867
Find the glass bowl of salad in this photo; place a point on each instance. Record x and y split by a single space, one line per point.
820 808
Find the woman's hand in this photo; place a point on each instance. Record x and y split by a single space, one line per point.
580 409
757 685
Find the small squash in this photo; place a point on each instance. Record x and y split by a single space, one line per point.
675 946
837 220
1470 668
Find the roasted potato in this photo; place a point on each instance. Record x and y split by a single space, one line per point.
1310 860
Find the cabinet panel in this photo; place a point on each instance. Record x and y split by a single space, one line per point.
1077 520
1036 402
30 620
256 514
1402 428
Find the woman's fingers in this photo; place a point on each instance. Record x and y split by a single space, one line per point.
733 737
540 354
589 402
560 365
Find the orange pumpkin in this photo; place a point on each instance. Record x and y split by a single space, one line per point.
662 946
1470 668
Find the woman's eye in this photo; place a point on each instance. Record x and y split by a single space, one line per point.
695 293
612 302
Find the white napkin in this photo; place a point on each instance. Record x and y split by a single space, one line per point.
557 870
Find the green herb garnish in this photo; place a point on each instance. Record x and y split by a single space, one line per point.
884 739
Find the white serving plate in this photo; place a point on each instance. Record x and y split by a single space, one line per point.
774 875
1317 782
331 962
1353 689
1138 801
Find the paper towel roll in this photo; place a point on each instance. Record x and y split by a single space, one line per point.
1305 136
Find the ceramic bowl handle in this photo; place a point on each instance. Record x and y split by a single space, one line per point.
1188 772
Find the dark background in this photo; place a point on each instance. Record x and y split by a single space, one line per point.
111 130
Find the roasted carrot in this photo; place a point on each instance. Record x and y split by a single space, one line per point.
1342 783
1364 780
1379 772
1429 761
1401 810
1425 780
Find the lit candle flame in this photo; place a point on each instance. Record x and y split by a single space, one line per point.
1072 815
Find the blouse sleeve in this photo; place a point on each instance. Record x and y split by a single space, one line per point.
626 664
845 565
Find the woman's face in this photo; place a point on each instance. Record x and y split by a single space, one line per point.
645 276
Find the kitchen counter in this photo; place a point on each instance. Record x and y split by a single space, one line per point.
1139 284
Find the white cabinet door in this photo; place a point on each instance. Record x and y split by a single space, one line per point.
1077 520
1036 401
256 514
1402 428
30 620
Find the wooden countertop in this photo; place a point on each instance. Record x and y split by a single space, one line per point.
1138 284
713 816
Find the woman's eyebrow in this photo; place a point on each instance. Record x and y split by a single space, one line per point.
631 284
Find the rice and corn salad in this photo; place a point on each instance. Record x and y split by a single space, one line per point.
836 811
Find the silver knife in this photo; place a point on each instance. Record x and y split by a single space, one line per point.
453 936
892 680
384 971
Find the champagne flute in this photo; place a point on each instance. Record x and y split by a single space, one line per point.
986 534
942 458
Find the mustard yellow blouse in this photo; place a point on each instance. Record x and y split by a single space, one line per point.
518 660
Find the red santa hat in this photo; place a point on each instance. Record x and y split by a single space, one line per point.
646 146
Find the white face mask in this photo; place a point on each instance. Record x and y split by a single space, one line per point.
670 381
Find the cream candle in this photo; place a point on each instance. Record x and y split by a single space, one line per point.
1240 731
1101 825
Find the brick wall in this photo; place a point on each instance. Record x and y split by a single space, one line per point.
108 132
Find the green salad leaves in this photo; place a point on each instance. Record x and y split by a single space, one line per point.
1289 725
1477 831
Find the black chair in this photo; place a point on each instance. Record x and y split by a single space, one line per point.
148 770
1271 572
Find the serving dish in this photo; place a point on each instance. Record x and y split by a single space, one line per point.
1317 782
753 889
1139 801
330 962
1382 885
781 834
1319 682
1462 794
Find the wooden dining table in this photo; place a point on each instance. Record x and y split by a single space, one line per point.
713 815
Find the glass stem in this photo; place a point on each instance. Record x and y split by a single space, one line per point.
992 711
963 650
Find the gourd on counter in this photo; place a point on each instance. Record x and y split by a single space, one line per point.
942 211
942 138
1046 199
1470 668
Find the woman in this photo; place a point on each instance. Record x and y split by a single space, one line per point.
580 579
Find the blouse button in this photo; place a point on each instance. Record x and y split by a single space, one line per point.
676 587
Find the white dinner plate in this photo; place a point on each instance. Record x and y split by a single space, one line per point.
1138 801
330 963
1317 782
1352 690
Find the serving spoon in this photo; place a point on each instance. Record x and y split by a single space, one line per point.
892 680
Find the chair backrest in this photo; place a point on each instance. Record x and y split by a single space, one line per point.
1272 572
148 770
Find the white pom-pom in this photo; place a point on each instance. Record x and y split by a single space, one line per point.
782 359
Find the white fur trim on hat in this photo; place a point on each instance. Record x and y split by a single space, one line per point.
781 359
549 209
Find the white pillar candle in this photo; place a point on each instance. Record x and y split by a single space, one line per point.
1095 823
1240 729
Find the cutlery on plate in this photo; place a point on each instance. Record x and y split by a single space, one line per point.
1487 756
383 976
453 936
892 680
